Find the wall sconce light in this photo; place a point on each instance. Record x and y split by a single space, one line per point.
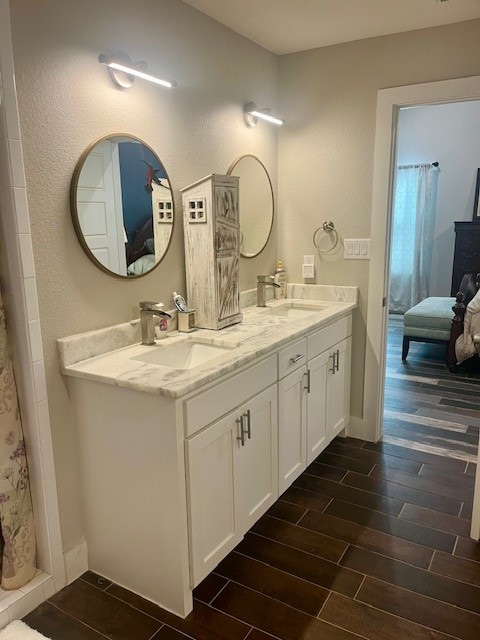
251 114
123 70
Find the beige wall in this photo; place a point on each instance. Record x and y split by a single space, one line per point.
326 152
66 100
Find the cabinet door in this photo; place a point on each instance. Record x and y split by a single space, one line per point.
317 406
337 379
256 461
292 427
232 480
214 530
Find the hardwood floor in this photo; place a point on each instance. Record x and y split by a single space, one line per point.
426 407
370 542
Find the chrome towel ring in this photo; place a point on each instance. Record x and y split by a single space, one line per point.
327 227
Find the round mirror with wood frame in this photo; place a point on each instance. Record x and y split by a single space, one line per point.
122 206
256 204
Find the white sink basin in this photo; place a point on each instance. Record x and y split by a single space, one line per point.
294 310
184 355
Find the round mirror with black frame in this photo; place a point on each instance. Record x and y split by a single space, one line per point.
256 204
122 206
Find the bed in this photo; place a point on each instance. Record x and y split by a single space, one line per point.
465 332
431 321
140 253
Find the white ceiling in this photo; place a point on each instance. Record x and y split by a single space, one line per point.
285 26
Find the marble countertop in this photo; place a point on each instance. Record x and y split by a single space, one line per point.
109 355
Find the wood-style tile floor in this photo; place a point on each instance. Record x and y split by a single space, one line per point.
426 407
370 542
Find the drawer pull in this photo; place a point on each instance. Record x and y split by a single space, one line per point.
333 356
298 357
243 431
249 426
307 388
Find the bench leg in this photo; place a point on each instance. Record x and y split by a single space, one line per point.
405 347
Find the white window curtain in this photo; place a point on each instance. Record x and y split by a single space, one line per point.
414 210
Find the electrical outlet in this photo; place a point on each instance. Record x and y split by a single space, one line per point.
308 259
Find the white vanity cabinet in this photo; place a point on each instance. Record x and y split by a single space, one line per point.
233 463
231 480
171 483
317 432
328 397
329 353
313 400
338 388
292 413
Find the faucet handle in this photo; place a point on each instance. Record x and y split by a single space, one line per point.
264 279
147 305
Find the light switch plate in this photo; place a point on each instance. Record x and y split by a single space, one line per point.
356 248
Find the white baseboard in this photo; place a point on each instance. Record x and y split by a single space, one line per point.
76 561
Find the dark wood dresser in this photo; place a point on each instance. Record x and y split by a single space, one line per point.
466 258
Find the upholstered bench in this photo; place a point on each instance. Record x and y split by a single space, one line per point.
428 321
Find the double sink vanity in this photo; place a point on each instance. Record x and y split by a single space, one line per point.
186 443
183 444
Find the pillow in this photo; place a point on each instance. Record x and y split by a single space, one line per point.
142 265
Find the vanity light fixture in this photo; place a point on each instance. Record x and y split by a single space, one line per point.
123 70
251 113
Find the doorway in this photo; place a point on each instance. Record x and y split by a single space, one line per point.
389 102
437 155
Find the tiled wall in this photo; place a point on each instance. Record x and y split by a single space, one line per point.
20 292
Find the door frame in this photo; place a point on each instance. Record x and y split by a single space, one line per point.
389 101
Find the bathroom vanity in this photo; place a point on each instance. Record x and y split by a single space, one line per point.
185 444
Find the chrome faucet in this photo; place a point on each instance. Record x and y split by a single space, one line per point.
147 311
262 283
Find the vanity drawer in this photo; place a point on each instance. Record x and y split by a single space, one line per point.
224 397
327 337
292 358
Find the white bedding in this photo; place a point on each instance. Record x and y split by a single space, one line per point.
465 345
141 265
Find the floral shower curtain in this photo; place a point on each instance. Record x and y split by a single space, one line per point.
414 211
17 541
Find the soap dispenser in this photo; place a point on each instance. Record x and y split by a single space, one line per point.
280 278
